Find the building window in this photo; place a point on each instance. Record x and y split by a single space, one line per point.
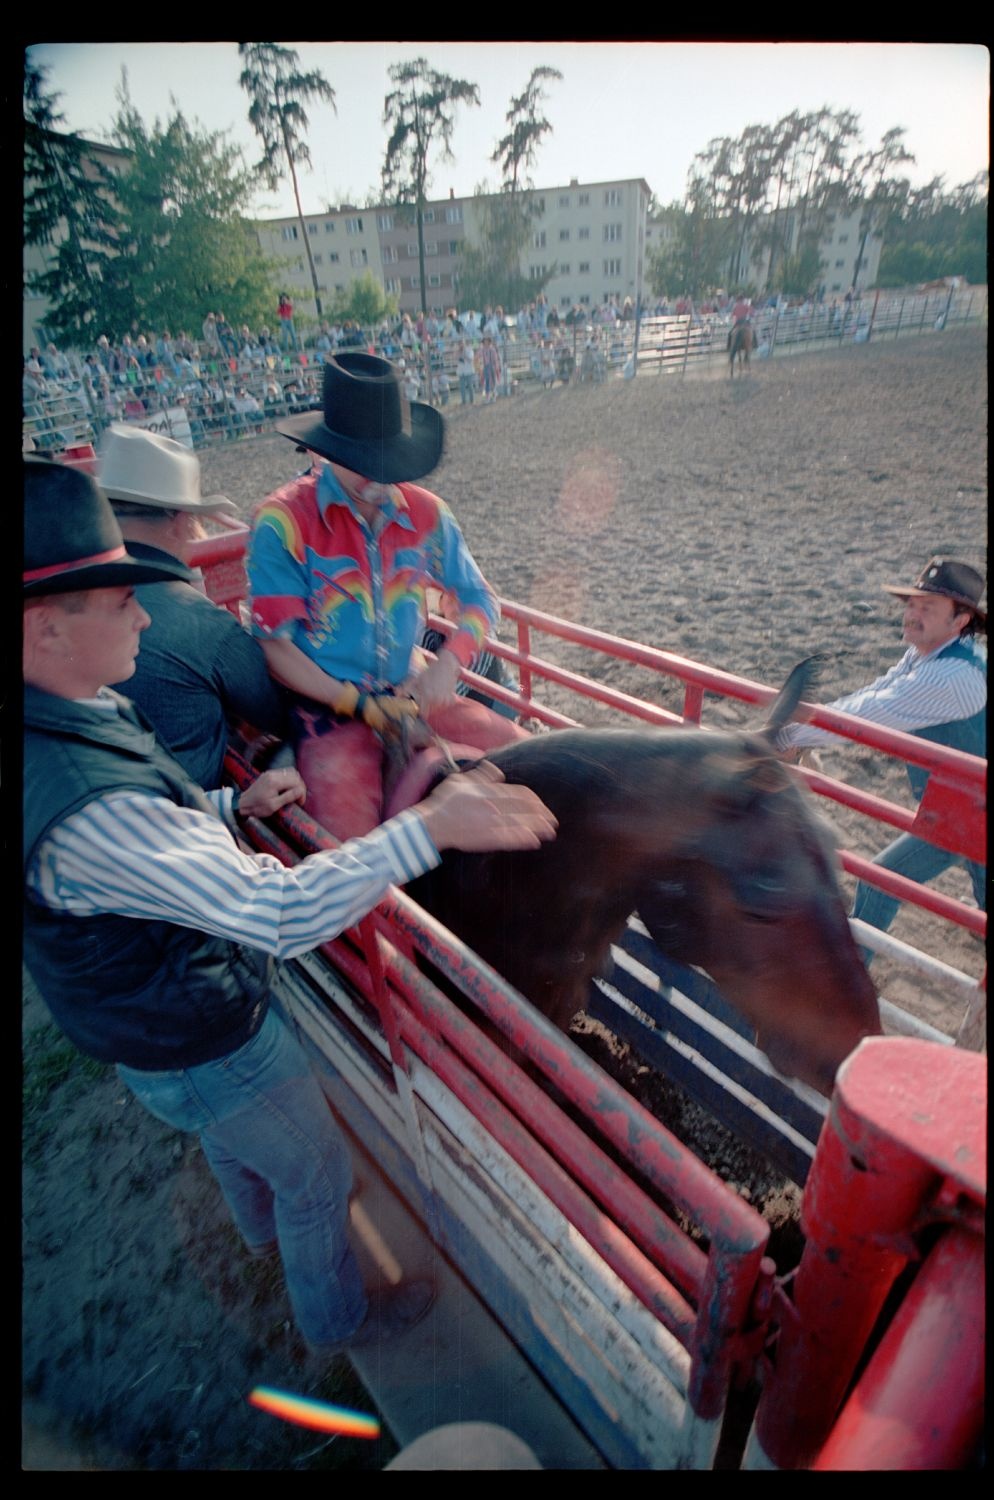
537 273
583 234
612 231
431 248
843 239
429 216
412 252
312 229
358 257
415 281
584 268
388 253
585 299
612 198
538 239
317 257
839 264
453 247
332 257
453 214
434 279
353 226
329 227
612 268
583 201
563 268
566 301
290 231
564 201
384 221
394 286
300 263
564 234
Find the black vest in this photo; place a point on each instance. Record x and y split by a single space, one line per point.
959 734
147 994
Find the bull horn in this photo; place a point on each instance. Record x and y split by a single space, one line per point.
784 705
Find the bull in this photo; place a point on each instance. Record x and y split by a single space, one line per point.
712 841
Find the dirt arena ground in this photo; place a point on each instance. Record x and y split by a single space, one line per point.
744 524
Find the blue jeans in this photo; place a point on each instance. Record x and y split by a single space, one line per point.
281 1163
466 384
919 861
288 334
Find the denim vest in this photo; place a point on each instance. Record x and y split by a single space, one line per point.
148 994
959 734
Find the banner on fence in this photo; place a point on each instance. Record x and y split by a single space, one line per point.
173 423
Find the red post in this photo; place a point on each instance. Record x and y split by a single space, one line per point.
920 1404
904 1143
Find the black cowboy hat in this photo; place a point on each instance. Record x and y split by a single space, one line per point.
71 537
367 424
954 580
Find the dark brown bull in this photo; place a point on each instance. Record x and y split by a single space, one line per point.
712 840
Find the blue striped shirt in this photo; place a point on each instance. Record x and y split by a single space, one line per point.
916 693
142 856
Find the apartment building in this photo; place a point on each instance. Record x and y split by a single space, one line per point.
344 245
444 234
838 248
589 236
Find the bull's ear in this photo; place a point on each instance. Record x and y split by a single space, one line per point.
785 704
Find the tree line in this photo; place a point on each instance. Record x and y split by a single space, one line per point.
161 233
758 205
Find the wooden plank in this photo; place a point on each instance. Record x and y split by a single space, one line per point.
603 1354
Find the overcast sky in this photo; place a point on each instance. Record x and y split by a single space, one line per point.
622 110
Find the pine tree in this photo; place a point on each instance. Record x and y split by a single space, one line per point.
279 91
69 211
420 113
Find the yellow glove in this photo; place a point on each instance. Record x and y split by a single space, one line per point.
383 712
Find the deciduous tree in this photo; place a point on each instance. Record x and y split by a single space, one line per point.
185 244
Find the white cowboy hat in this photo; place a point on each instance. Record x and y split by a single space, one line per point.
146 468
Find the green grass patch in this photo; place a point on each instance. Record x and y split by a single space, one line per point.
51 1062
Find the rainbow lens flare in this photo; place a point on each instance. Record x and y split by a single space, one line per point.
316 1414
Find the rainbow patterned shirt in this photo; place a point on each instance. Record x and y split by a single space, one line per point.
354 601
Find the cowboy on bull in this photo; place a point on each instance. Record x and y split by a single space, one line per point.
340 561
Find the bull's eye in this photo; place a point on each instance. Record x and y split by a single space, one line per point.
765 897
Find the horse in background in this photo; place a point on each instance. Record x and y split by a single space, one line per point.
741 342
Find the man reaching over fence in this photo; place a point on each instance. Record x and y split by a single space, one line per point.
938 691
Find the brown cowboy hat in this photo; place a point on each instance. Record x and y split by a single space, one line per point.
71 537
367 424
952 579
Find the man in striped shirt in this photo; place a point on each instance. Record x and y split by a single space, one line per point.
938 691
150 932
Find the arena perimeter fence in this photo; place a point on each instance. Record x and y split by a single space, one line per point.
684 345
